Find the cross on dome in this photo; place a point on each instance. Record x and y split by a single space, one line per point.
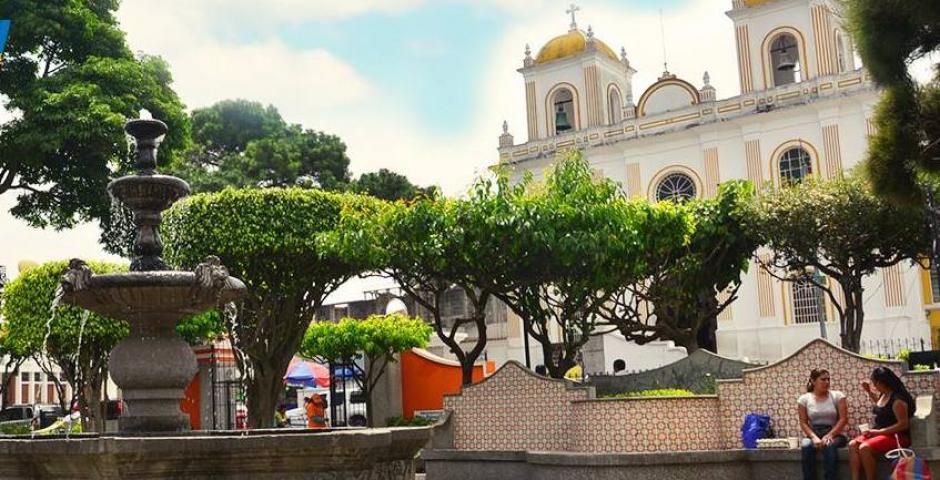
572 10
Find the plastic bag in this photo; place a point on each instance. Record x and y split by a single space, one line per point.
754 428
911 468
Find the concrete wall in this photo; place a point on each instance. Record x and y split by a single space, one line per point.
690 373
733 464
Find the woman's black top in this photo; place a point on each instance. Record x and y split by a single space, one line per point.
884 416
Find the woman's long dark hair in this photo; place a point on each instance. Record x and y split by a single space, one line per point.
887 376
813 375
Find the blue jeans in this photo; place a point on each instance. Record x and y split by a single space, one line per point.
830 458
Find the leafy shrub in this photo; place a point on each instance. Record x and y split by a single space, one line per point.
920 367
400 421
662 392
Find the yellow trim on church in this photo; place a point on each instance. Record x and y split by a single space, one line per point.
933 314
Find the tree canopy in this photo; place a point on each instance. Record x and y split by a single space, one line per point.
573 242
270 239
687 286
834 234
388 185
240 143
376 339
71 82
890 35
77 341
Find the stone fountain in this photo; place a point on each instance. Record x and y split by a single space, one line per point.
153 366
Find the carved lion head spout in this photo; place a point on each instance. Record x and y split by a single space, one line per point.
211 273
77 276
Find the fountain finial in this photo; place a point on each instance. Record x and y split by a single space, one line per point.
148 133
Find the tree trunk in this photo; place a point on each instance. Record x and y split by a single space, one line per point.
261 395
95 406
690 342
466 373
853 320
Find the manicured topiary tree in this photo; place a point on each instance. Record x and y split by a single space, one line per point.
77 341
377 340
270 239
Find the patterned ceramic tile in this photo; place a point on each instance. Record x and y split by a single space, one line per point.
517 410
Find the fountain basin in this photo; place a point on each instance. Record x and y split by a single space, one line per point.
384 453
133 296
148 192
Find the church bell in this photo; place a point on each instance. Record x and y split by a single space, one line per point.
787 62
561 120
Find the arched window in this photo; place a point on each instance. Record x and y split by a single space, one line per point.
614 106
809 301
841 53
785 59
563 118
795 165
677 187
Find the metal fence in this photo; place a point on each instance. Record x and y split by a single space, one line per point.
890 347
228 398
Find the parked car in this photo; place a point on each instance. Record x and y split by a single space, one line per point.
16 419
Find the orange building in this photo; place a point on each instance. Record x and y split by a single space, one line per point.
426 378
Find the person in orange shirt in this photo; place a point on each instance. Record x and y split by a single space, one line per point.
316 411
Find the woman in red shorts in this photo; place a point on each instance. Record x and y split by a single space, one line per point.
894 406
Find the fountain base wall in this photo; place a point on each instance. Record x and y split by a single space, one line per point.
380 454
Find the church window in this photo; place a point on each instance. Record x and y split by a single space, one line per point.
563 116
785 59
677 187
841 53
809 301
795 165
934 284
614 106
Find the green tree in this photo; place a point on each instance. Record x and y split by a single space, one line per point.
431 247
77 341
573 242
890 35
240 143
834 234
71 82
270 239
684 290
388 185
376 340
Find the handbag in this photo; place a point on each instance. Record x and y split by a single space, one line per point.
908 466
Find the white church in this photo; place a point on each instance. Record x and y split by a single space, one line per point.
805 109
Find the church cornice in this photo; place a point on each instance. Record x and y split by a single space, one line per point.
738 108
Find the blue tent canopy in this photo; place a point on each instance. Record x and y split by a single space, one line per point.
4 32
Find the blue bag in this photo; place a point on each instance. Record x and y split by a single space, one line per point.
754 428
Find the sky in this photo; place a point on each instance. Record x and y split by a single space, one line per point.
417 86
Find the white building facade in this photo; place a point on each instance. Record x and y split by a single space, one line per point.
805 109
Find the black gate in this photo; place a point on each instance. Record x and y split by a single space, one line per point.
347 403
228 398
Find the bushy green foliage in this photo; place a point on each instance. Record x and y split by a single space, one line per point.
400 421
843 231
922 368
271 239
890 35
27 308
241 143
69 73
680 290
662 392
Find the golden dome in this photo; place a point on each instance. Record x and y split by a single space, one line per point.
569 45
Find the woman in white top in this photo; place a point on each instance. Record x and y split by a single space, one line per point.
823 416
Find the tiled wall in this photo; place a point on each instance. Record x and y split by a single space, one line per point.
514 409
645 425
773 389
517 410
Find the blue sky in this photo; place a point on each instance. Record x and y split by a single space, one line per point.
418 86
